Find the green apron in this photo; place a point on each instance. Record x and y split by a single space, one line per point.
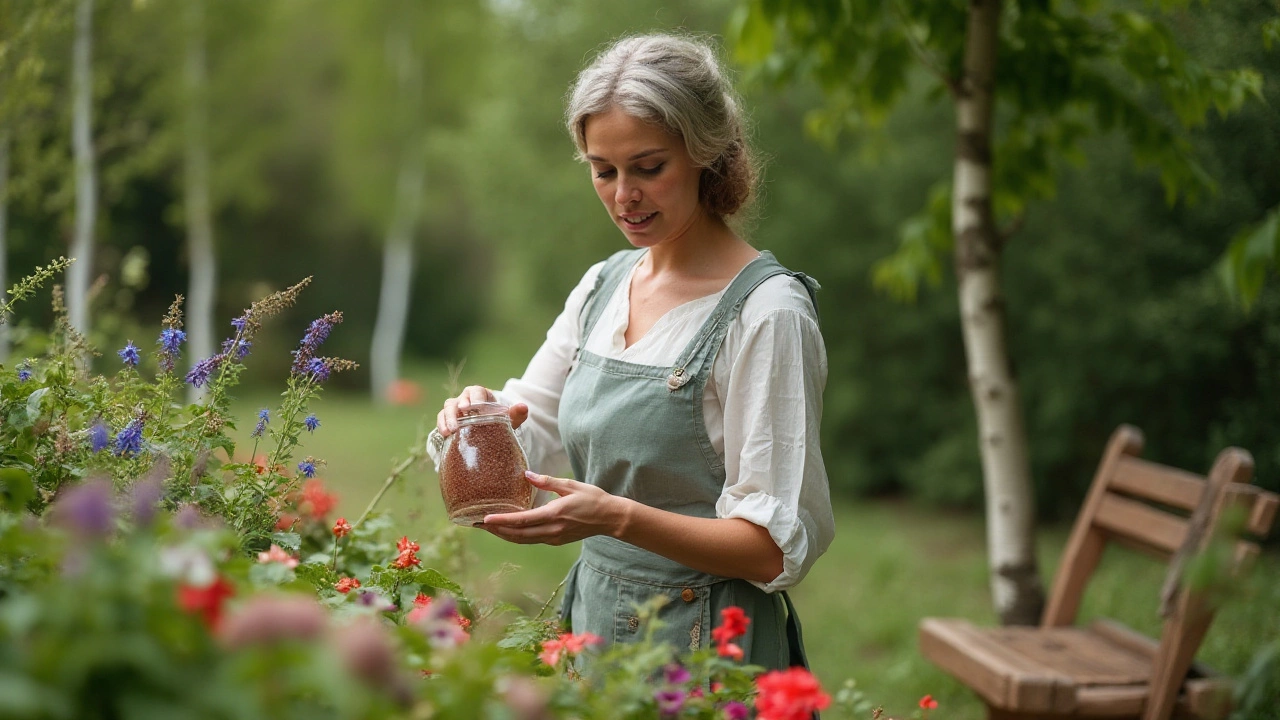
637 431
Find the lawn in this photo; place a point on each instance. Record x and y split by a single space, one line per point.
892 563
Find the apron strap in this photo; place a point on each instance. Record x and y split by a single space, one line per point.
795 635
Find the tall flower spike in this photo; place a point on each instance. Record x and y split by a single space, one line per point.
311 422
317 332
99 437
24 371
129 441
264 417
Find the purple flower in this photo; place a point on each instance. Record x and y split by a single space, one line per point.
171 340
24 371
143 499
129 354
676 674
316 334
199 374
241 347
86 508
318 370
669 701
311 422
188 517
129 441
734 710
264 417
99 437
308 468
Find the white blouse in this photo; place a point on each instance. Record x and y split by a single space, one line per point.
762 405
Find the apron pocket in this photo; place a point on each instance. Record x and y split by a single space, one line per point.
683 621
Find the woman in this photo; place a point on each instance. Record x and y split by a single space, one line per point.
683 382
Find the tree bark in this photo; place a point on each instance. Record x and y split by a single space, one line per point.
85 173
201 258
397 276
4 238
1016 587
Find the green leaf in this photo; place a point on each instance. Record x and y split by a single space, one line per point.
17 488
435 579
33 403
290 541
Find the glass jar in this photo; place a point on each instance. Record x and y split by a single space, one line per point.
482 466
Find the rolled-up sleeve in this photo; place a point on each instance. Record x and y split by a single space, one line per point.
775 476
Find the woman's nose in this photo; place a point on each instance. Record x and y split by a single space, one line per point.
627 192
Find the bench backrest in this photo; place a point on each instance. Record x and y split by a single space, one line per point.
1169 513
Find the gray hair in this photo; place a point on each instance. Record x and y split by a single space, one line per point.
676 83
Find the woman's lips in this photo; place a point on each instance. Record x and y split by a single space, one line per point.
638 221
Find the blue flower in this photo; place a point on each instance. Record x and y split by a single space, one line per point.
199 374
317 332
129 441
241 321
129 354
24 371
171 340
312 422
99 437
264 417
308 468
318 369
241 347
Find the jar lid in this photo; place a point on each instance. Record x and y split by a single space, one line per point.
483 409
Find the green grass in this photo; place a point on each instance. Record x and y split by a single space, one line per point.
890 565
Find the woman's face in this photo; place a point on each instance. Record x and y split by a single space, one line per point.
644 176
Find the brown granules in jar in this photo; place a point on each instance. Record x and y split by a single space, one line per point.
482 472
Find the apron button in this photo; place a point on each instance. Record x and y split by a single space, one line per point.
687 595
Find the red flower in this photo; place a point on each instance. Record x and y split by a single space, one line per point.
405 560
286 521
207 601
341 528
277 554
346 585
734 625
566 643
928 703
789 695
316 501
260 463
405 543
422 600
729 650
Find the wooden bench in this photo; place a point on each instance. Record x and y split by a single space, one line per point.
1061 670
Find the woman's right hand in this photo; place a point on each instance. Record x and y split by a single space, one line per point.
447 420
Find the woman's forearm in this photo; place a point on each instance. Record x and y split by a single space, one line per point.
729 547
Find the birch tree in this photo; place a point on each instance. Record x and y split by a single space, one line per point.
86 176
397 252
1028 81
201 259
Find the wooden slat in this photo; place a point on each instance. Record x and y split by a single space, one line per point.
1146 526
1259 506
1121 701
1134 641
1003 678
1083 656
1158 483
1209 698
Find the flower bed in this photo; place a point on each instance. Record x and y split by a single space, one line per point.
148 570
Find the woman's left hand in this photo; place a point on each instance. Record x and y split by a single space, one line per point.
581 511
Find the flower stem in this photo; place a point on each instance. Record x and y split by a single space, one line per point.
554 593
414 455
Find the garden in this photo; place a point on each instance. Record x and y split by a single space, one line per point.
248 248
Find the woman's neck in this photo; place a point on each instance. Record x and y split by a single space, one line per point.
708 248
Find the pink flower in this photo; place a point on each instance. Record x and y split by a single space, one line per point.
277 554
730 650
734 710
567 643
316 500
792 694
267 619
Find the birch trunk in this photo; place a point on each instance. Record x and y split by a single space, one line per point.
4 238
397 276
203 263
86 176
1015 580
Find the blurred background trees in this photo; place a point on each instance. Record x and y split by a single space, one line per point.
1114 310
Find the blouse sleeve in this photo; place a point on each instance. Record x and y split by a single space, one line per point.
775 477
541 385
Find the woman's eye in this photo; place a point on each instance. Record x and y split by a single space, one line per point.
651 170
604 173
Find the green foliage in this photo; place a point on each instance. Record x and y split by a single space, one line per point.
1253 253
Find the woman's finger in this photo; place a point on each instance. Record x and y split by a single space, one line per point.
473 394
519 413
559 486
450 413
